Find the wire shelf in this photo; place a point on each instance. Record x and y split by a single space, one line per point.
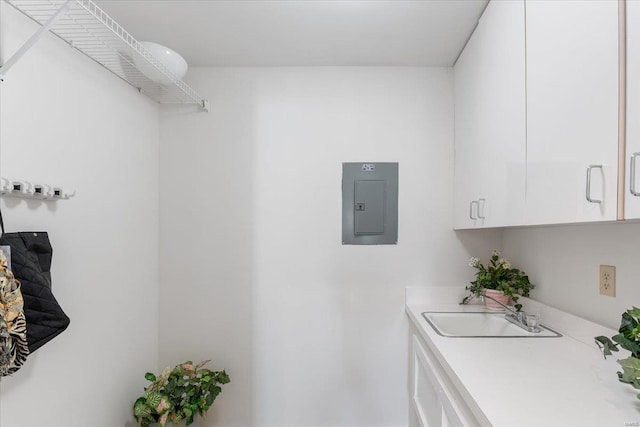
89 29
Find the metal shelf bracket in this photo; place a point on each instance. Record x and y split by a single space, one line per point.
4 68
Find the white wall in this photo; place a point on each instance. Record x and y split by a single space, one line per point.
253 273
563 262
67 121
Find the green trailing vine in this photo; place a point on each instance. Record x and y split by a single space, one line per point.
629 339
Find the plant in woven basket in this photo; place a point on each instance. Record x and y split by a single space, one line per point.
178 394
500 276
629 339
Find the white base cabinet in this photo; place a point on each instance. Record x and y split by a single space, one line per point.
435 401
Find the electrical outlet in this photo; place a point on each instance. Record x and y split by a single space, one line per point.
608 280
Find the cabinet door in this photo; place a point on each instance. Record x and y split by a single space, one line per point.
632 159
572 110
490 120
468 104
434 399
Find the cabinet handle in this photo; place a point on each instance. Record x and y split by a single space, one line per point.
475 202
481 204
588 191
632 173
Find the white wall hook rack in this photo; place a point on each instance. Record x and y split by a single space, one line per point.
28 190
87 28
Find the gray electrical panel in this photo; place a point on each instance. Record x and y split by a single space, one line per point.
369 203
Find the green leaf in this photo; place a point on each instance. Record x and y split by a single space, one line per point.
209 400
634 312
141 409
149 376
606 345
630 363
224 378
626 325
628 344
153 399
630 371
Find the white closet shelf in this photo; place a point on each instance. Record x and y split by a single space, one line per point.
86 27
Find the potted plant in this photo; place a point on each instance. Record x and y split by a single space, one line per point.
629 339
499 281
178 394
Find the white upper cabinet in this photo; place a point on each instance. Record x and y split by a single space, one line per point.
490 121
572 111
468 86
632 158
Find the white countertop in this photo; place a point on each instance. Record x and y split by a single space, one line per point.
538 382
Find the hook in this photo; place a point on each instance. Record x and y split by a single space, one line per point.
21 188
25 189
5 186
41 191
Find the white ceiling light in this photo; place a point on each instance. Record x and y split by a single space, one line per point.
174 62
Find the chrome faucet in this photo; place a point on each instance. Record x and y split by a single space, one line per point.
528 322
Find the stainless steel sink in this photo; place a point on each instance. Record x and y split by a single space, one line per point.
480 324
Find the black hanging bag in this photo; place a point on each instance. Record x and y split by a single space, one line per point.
31 254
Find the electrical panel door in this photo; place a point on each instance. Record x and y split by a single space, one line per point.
369 203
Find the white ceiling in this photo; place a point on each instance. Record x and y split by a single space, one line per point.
303 32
